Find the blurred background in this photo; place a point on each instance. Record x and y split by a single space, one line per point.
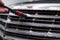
8 2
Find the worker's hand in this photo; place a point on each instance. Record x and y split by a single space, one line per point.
2 9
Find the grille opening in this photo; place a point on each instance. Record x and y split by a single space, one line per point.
47 13
12 26
1 30
32 13
45 29
36 29
20 19
3 16
38 20
41 12
30 36
41 20
59 13
2 23
55 30
20 27
14 18
40 29
25 27
27 11
57 21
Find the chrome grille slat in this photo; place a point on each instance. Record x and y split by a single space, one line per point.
44 16
35 24
35 33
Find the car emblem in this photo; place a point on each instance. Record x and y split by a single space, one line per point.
29 6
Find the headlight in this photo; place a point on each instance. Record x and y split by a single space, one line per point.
54 8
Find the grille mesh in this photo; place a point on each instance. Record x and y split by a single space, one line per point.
42 24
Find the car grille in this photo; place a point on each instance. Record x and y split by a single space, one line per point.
42 24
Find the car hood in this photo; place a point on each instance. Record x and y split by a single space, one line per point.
38 6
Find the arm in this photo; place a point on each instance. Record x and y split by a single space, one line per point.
1 3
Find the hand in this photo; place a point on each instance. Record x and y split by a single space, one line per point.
2 9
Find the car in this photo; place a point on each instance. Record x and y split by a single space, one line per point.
42 23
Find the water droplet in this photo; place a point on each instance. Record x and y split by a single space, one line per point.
56 15
36 14
30 31
49 32
33 19
8 20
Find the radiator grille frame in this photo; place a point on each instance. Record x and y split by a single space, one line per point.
38 25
